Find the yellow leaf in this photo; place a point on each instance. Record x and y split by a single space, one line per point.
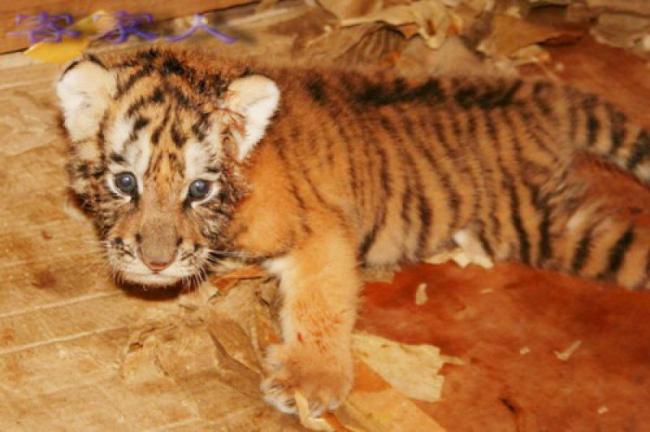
69 48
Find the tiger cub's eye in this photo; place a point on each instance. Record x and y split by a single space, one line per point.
199 189
126 182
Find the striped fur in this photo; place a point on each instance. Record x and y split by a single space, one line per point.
355 167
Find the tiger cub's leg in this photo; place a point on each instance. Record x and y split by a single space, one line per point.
319 283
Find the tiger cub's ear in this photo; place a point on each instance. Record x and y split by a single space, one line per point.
85 90
255 98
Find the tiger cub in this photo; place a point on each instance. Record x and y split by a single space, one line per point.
183 159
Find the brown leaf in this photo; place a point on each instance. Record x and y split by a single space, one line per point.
510 34
432 18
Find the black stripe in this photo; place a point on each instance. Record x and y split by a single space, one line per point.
489 194
403 135
148 55
181 98
155 135
89 58
296 134
140 123
570 95
366 122
377 93
582 251
380 216
370 237
618 131
641 149
173 66
508 183
618 251
407 171
534 130
280 144
199 128
156 97
143 72
538 89
83 170
452 115
178 138
337 111
453 198
515 217
316 88
494 137
94 59
117 158
538 202
154 164
484 243
426 215
486 95
71 66
407 197
545 248
593 125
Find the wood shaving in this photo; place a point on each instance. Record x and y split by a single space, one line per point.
306 419
602 410
568 352
421 294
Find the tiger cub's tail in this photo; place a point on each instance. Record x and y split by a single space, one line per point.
601 129
592 241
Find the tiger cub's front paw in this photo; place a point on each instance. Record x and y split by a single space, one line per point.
324 377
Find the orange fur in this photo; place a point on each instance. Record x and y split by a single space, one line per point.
354 167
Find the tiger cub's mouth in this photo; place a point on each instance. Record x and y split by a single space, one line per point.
187 265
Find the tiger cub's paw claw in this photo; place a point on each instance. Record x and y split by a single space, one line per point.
323 380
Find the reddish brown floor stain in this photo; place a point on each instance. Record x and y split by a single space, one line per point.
487 317
44 279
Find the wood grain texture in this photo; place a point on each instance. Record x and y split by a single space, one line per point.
65 327
160 9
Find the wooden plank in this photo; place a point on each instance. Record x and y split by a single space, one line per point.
640 7
161 10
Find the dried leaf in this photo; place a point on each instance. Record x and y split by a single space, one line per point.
374 406
510 34
410 369
334 44
433 20
621 30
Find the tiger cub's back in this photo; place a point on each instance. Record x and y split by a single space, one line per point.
410 162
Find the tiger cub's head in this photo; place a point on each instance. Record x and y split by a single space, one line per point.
155 147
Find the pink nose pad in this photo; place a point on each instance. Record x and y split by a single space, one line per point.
157 266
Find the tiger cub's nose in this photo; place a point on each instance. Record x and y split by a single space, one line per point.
158 250
157 266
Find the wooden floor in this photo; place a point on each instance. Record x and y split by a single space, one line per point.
64 326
